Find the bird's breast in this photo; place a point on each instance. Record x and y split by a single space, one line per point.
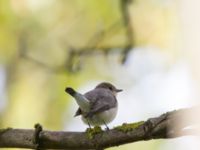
99 119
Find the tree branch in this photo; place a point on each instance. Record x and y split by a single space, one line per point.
163 127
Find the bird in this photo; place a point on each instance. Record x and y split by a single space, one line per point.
98 106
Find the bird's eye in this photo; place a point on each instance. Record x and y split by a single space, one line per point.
110 88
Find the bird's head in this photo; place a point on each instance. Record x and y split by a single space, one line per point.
110 87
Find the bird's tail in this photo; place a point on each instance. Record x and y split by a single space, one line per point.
82 101
70 91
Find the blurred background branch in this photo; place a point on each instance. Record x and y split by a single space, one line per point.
91 47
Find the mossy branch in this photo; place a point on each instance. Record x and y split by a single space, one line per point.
154 128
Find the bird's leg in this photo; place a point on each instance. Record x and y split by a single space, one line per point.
88 123
107 128
85 115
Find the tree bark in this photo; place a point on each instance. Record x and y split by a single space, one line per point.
163 127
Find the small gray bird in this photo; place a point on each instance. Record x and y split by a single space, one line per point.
98 106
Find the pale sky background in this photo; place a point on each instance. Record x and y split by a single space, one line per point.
2 89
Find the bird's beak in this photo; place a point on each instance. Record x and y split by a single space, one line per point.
119 90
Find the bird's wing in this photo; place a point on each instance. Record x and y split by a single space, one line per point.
100 100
